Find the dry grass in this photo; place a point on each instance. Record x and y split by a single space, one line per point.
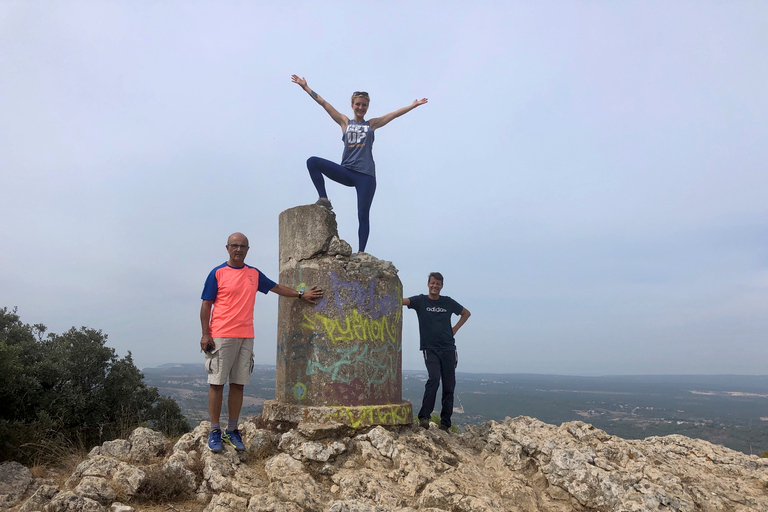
161 486
39 471
60 469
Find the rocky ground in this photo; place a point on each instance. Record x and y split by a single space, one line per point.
520 464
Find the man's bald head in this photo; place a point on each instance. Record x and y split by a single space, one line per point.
237 247
237 238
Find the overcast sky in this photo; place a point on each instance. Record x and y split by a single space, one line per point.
590 177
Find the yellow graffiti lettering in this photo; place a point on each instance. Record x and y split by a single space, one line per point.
308 323
354 327
371 415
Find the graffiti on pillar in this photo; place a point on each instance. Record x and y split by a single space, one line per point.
348 348
353 327
299 391
378 365
373 415
293 349
363 297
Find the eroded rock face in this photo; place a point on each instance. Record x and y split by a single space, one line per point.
71 502
519 465
15 479
120 475
584 467
143 445
39 499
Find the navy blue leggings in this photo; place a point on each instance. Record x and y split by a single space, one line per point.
364 184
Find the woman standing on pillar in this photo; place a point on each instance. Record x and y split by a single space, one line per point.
357 168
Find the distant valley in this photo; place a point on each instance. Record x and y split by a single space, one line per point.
731 410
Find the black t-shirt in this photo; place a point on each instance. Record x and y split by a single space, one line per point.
435 330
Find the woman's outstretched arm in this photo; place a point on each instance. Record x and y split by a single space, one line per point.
378 122
340 118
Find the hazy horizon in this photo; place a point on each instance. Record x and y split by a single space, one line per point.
423 370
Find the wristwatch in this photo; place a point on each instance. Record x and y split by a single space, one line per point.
301 294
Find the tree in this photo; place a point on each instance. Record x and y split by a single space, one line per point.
17 353
72 389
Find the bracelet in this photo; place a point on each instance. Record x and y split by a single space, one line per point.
301 294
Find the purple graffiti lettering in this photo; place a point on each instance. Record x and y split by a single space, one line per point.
361 297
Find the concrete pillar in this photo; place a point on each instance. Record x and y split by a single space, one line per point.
339 361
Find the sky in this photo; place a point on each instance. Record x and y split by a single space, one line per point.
589 176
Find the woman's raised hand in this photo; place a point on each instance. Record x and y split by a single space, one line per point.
299 80
422 101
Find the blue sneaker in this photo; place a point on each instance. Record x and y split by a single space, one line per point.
214 441
234 439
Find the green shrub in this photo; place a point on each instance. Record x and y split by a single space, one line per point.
67 392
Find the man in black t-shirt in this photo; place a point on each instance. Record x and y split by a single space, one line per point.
437 343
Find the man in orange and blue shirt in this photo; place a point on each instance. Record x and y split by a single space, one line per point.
226 316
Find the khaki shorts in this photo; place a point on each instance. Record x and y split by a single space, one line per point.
232 358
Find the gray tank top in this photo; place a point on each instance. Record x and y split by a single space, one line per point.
358 148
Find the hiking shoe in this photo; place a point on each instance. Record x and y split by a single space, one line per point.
325 203
233 438
214 441
443 427
424 422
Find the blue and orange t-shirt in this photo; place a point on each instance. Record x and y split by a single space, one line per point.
233 293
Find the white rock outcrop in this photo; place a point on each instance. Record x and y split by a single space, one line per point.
519 465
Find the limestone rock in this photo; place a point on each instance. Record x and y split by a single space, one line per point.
142 445
339 248
302 491
71 502
282 466
95 488
119 449
290 482
15 479
383 440
98 465
42 496
224 472
355 506
181 464
366 485
258 442
267 503
120 475
195 440
300 448
518 465
226 502
602 472
146 444
119 507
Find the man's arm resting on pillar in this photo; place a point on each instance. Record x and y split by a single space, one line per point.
307 295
